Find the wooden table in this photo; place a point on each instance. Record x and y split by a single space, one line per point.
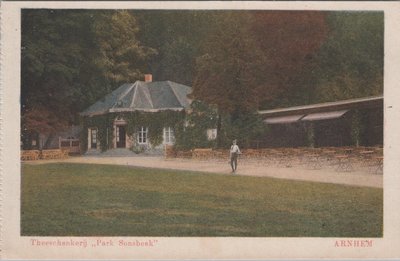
30 155
379 165
348 150
202 154
366 156
184 154
344 163
330 156
314 161
52 154
281 158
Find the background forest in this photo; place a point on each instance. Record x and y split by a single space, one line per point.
237 61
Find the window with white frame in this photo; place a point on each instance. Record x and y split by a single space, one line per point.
211 134
117 133
169 136
142 135
93 138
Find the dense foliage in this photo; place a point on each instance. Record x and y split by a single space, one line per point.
246 129
71 58
193 133
350 62
236 61
227 73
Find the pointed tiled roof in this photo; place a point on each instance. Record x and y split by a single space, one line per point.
143 96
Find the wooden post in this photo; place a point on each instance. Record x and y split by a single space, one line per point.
311 135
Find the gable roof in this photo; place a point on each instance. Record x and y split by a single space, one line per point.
143 96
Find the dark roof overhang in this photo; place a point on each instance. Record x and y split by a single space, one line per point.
115 110
359 103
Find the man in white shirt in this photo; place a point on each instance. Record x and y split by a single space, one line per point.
234 152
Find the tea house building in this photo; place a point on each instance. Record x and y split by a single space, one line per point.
132 114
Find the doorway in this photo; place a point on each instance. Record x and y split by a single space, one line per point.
121 136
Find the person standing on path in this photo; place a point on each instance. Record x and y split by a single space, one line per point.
234 152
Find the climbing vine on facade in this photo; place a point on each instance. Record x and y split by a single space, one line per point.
154 121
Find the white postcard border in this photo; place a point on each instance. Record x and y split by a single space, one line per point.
14 246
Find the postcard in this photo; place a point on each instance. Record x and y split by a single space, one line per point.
200 130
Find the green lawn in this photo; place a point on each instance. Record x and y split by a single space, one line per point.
94 200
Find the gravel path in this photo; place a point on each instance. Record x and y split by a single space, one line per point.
354 178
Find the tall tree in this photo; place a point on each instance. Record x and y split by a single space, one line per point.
50 64
227 72
70 58
350 63
122 57
290 41
177 36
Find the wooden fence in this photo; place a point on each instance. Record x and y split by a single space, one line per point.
72 145
44 154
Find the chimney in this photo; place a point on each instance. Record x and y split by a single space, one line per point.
148 78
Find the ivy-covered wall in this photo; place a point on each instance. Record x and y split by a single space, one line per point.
155 121
193 133
246 128
190 127
104 125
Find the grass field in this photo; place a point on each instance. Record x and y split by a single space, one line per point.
104 200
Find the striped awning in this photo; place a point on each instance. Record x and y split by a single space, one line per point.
283 119
324 115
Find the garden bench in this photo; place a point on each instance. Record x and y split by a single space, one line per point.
220 155
54 154
30 155
251 156
344 163
365 157
378 165
202 154
184 154
269 156
314 160
65 153
169 151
